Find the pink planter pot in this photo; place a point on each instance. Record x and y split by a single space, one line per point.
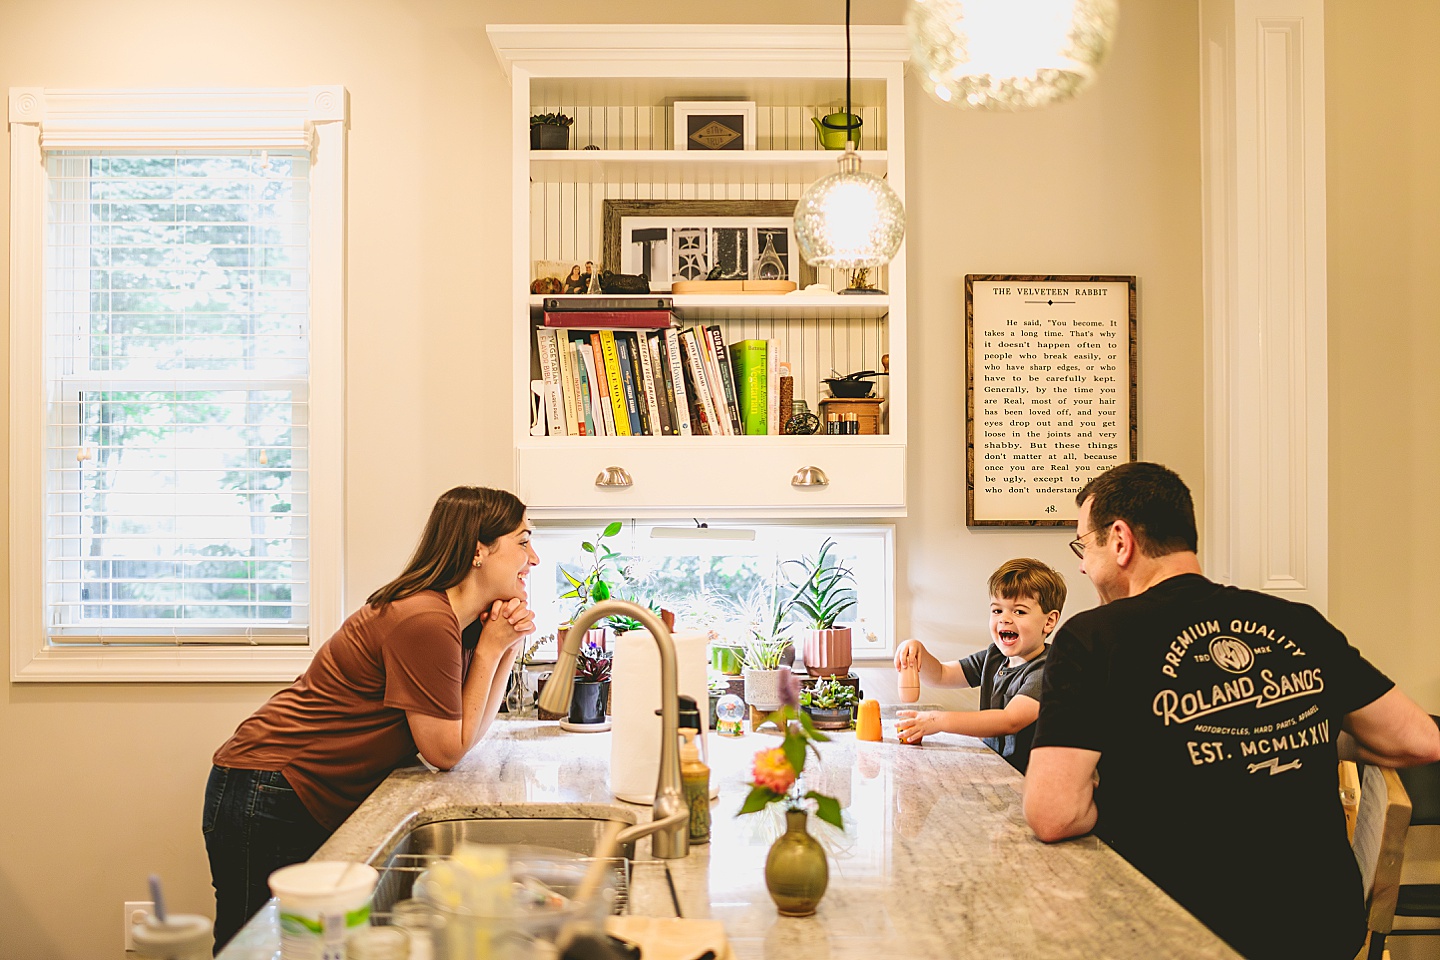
827 652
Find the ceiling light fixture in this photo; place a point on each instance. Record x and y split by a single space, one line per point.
1009 54
849 219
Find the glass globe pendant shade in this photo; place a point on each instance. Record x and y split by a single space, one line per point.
1009 54
849 219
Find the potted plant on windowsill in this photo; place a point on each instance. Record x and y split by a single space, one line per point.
824 589
589 702
550 131
830 704
594 586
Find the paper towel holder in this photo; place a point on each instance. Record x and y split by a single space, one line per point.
671 814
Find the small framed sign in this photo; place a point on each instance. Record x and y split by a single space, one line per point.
714 125
1050 398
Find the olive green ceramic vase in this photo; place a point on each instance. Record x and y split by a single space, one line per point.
795 871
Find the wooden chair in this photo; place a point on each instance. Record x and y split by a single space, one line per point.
1417 906
1350 795
1381 823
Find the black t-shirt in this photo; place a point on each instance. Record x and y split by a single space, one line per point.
999 683
1216 711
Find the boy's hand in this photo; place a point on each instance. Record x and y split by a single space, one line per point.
911 725
911 653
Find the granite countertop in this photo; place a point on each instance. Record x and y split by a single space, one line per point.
936 861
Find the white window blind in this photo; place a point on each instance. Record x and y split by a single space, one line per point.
176 325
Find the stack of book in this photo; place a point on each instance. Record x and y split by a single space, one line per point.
637 374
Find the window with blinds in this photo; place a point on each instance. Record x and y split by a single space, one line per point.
176 345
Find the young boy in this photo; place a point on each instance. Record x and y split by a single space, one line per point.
1026 597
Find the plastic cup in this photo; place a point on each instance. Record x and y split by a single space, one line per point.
180 936
321 903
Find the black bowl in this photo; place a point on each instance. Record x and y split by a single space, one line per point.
849 389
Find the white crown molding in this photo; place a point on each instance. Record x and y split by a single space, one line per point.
269 118
1263 195
532 44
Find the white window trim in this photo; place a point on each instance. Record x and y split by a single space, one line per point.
313 118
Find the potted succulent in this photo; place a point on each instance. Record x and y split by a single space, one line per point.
830 704
589 702
824 589
550 131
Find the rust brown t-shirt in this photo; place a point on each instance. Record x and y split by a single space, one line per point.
340 729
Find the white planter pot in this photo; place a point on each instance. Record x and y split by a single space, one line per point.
762 689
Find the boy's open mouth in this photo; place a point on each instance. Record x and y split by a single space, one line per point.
1007 636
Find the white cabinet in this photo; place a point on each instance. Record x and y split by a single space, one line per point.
619 83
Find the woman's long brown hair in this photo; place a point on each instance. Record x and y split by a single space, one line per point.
461 518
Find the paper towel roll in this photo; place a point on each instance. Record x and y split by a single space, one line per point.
634 698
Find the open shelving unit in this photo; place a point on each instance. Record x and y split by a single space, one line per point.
619 83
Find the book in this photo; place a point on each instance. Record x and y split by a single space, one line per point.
591 304
596 404
554 403
582 391
700 385
647 383
567 390
626 319
596 360
772 387
654 386
720 414
748 360
675 382
627 381
727 377
613 381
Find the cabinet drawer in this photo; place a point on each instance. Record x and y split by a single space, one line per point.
713 476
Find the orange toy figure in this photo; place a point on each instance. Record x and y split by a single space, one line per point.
867 726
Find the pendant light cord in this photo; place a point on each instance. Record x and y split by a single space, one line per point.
849 118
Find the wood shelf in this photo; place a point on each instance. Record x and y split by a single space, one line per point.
679 166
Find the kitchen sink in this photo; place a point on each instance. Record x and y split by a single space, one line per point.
411 851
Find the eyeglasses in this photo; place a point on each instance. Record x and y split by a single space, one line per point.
1077 546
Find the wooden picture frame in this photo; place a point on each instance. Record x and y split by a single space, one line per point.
710 125
698 212
1050 392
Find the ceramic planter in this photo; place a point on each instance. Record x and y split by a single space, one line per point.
726 659
588 702
829 718
762 689
549 136
827 652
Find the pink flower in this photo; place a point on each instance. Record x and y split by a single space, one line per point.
789 688
772 770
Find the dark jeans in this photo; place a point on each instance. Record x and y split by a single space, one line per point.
254 824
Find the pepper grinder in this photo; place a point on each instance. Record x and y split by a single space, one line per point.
910 683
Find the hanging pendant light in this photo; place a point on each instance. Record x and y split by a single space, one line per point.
1009 54
849 219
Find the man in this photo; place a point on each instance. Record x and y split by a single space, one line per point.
1194 728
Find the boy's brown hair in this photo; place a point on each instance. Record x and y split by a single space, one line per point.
1024 577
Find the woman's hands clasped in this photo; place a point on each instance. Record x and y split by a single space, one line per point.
506 622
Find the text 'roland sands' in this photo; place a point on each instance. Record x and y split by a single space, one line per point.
1175 707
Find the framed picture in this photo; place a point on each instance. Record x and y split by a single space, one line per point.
714 125
669 240
1050 396
562 276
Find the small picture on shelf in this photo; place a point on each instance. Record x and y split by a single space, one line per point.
565 277
714 125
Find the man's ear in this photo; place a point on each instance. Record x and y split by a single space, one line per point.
1124 542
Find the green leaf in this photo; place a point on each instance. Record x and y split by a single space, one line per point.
601 591
612 529
587 546
810 730
794 747
758 798
826 808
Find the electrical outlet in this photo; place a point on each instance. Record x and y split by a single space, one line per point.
135 912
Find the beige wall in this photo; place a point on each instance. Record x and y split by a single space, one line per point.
103 783
1383 193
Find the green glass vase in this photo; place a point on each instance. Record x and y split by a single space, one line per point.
795 871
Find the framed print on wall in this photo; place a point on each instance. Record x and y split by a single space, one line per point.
714 124
669 240
1050 397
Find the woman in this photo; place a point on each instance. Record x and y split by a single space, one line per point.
403 674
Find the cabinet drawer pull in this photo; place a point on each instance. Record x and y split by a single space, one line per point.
614 477
809 477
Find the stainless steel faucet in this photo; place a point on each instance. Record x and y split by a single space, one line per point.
670 825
